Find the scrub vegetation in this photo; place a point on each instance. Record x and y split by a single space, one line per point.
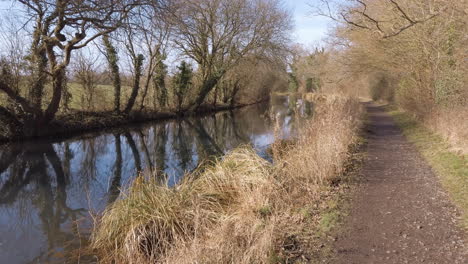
239 208
409 53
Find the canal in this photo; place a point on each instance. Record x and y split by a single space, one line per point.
50 190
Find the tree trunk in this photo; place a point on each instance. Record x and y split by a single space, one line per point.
117 88
208 85
39 80
136 83
145 90
112 60
215 100
10 124
58 77
235 90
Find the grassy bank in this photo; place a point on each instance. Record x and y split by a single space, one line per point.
449 164
239 208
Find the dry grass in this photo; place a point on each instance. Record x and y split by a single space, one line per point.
322 147
239 209
452 125
147 223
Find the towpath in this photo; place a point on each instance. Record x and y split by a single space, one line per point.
400 214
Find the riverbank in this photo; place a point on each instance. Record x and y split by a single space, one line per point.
239 208
69 125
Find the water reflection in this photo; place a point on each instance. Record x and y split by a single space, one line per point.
34 202
48 189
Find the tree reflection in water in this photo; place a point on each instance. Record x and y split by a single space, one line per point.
37 182
47 189
114 188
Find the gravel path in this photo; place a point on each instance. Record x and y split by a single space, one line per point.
401 213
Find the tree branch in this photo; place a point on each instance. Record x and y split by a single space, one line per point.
9 117
17 98
402 12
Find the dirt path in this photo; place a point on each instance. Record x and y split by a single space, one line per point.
400 214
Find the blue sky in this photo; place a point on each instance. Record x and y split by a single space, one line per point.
309 30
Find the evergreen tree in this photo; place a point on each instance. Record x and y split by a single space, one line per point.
113 60
159 83
182 83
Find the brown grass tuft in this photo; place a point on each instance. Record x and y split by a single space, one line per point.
241 209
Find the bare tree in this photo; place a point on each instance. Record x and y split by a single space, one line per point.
59 28
85 73
13 47
361 14
145 39
217 34
155 33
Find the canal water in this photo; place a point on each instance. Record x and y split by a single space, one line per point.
50 190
